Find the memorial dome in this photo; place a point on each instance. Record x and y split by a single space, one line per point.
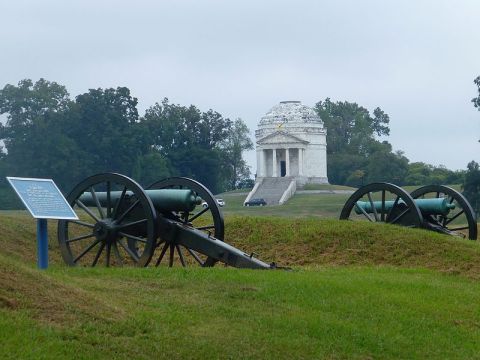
289 112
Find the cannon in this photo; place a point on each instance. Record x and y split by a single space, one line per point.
434 207
123 224
438 206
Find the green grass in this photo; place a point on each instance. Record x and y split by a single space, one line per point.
357 290
327 187
300 205
347 312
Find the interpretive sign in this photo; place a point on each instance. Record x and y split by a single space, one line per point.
42 198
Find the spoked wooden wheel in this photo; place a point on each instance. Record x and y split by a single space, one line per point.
117 223
382 202
460 221
208 219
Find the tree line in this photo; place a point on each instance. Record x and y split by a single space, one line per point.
48 134
355 156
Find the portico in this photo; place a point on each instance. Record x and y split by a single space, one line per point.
280 162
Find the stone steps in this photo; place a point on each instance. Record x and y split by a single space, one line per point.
272 189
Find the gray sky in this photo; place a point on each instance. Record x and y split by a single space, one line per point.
414 59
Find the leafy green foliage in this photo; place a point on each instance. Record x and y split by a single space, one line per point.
389 166
236 142
350 127
103 124
151 167
33 132
471 185
356 157
420 173
476 100
49 135
342 167
190 140
202 145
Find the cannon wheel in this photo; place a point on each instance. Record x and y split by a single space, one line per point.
457 221
104 232
206 218
403 212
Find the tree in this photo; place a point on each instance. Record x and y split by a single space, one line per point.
104 125
351 127
151 167
476 100
471 185
233 146
190 140
386 166
28 102
356 179
33 135
351 132
341 166
48 135
418 173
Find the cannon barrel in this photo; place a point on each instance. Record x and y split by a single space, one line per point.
434 206
162 199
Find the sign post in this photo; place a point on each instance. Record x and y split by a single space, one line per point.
43 200
42 244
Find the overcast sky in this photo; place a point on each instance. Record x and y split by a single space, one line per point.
414 59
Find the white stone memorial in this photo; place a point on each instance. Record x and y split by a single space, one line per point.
291 151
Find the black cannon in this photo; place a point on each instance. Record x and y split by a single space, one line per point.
433 207
121 223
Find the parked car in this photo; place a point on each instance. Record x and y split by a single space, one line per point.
256 202
220 202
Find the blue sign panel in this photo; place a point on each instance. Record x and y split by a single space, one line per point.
42 198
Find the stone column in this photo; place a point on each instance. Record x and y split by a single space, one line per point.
300 161
287 162
274 161
264 162
259 163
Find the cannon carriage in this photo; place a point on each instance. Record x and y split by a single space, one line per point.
122 223
433 207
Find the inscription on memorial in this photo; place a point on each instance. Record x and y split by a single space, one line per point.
42 198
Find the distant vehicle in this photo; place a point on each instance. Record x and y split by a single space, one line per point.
220 202
256 202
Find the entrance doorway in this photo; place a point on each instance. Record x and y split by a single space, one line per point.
283 168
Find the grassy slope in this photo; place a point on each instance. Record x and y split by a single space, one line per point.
361 310
314 242
226 313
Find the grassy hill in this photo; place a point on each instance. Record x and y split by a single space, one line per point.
357 290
